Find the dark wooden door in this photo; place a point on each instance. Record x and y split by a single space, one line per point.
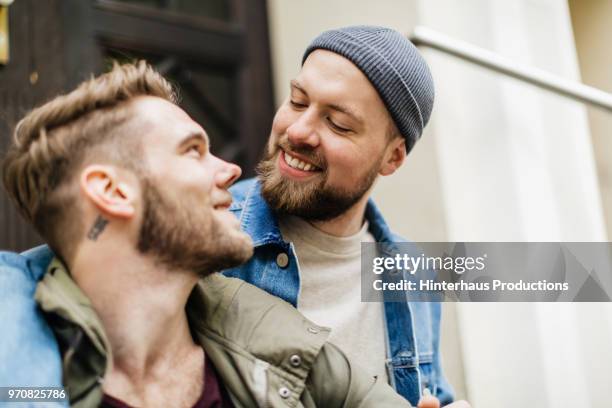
215 51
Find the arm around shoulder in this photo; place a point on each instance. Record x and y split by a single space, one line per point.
335 382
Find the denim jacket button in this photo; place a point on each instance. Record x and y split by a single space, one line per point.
295 360
284 392
282 260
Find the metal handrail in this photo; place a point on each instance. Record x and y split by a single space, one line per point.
543 79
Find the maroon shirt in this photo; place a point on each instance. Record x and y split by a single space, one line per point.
213 395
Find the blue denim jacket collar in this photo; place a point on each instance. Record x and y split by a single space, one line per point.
257 218
259 221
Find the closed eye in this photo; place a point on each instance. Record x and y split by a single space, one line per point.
297 105
337 127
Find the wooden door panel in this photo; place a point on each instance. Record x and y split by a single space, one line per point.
216 52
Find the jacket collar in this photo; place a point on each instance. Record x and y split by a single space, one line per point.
86 352
236 324
38 259
378 226
259 221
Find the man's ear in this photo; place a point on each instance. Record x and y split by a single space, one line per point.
110 195
394 156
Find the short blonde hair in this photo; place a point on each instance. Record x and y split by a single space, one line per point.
52 141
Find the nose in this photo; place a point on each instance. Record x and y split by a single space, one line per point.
227 174
303 130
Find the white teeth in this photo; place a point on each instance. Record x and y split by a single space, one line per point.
298 164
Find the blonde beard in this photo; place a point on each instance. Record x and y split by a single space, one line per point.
313 200
186 236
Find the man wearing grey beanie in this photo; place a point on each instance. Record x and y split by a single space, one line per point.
355 110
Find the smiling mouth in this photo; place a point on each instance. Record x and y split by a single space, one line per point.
299 164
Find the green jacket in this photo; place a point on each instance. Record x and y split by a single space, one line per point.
266 353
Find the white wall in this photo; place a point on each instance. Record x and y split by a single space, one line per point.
293 24
517 163
592 24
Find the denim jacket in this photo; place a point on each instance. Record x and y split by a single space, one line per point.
29 352
413 328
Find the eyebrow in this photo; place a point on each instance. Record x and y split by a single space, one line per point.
295 84
193 136
335 106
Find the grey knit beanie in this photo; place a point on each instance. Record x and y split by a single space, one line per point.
394 67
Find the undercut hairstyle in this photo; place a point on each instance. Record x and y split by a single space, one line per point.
54 141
